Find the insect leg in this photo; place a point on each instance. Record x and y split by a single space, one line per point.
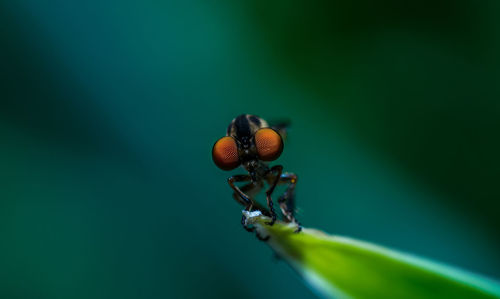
251 190
275 169
287 200
240 196
243 198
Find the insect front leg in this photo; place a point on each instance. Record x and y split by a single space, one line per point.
241 196
251 190
287 200
277 170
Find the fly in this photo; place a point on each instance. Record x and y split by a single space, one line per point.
251 143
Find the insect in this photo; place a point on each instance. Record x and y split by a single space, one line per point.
251 143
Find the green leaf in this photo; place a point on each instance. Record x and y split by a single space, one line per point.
342 267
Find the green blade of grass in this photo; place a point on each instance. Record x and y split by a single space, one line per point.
341 267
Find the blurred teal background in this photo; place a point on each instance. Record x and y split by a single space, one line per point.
109 110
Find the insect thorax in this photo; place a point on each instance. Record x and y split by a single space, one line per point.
244 126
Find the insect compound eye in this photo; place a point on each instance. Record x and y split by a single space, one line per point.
269 144
225 153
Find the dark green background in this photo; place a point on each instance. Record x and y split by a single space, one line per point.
109 110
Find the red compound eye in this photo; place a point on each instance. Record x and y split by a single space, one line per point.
269 144
225 153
